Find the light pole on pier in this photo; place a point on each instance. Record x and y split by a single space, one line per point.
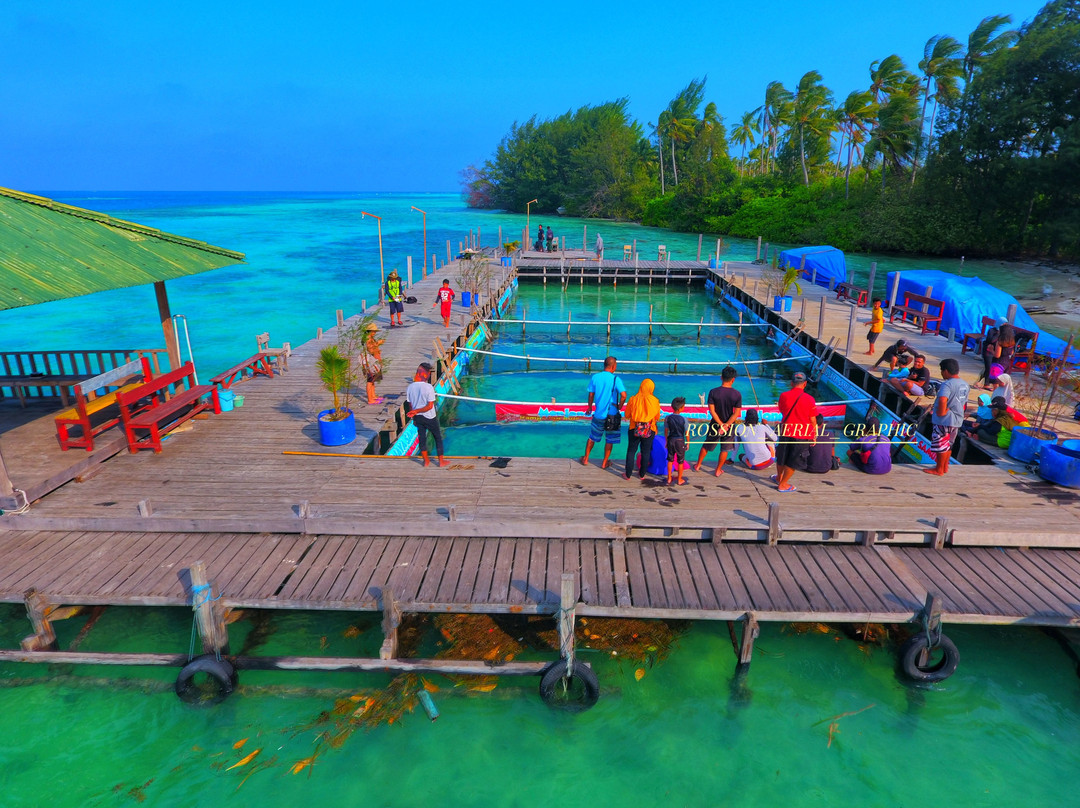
528 230
425 236
382 274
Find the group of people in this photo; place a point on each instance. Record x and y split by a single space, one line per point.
543 239
800 442
395 296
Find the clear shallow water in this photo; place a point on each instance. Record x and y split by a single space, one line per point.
1002 732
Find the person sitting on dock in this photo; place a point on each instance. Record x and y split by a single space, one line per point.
913 383
395 294
444 299
948 415
877 325
758 442
1002 385
607 395
421 397
891 354
822 458
798 432
997 430
675 427
900 372
642 415
872 452
725 406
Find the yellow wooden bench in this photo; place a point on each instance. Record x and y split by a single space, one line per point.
93 413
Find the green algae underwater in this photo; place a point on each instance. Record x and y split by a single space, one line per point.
818 720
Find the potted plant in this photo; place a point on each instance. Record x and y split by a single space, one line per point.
509 248
338 371
784 280
473 275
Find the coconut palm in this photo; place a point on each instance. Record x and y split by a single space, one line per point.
942 64
743 135
774 114
896 133
810 113
657 131
887 76
986 40
857 115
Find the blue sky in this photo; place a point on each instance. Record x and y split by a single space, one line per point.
333 96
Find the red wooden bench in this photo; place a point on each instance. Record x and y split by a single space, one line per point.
849 291
163 413
925 318
94 413
259 365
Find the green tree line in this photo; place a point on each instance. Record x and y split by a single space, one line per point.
975 150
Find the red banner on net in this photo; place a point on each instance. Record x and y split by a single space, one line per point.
576 412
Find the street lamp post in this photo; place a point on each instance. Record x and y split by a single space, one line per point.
528 230
425 237
382 274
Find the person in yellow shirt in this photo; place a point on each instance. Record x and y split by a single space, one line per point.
877 324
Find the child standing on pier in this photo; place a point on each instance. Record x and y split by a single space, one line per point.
444 299
877 325
675 435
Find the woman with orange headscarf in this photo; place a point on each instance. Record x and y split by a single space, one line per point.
642 413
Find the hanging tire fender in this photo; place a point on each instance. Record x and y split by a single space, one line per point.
583 676
933 672
219 670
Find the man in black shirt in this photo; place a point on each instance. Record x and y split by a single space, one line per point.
915 382
892 353
725 406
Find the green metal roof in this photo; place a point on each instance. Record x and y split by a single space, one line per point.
50 251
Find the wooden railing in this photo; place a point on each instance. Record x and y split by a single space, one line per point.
49 374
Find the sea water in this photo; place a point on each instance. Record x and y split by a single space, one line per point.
819 720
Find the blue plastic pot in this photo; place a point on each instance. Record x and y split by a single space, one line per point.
1027 441
781 303
1060 465
466 299
336 433
226 398
714 264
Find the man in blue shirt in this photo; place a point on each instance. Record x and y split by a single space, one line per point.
607 395
948 415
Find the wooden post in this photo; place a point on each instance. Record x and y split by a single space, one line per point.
821 320
390 623
363 307
448 259
567 617
766 252
802 309
434 265
699 238
408 271
1010 314
870 285
850 331
585 238
144 508
942 525
929 290
172 347
895 289
751 630
209 614
775 531
340 317
43 638
7 490
318 333
499 245
756 257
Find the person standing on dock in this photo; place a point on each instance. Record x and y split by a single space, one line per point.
798 432
948 416
607 394
421 397
539 239
395 294
599 246
550 236
642 415
877 325
444 299
675 428
725 407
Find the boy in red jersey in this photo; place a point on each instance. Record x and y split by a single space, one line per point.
444 298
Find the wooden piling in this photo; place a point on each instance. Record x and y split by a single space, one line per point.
699 238
209 615
775 531
758 256
408 271
870 285
340 317
566 620
821 320
751 630
850 332
43 638
390 623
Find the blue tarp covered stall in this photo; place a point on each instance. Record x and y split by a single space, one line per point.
828 262
967 301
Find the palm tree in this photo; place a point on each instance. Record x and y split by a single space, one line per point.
887 76
986 40
681 117
743 135
857 114
941 65
657 130
810 113
774 113
896 133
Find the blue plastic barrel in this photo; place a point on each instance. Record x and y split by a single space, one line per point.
1027 440
1060 465
226 399
714 264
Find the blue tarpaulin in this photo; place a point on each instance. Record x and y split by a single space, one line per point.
828 261
968 300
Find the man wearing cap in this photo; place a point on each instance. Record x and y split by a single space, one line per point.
798 432
421 397
395 294
948 415
371 360
892 354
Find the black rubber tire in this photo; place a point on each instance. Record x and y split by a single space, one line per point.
220 671
937 671
573 694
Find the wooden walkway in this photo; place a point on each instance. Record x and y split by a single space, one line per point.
336 532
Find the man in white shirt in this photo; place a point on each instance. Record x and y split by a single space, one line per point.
421 397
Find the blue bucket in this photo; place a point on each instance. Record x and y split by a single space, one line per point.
1061 465
226 398
1027 440
714 264
336 433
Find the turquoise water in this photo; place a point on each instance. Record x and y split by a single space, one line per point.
1004 731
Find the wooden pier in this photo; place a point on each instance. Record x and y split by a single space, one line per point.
335 531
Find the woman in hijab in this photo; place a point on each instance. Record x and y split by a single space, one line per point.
642 413
1002 385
